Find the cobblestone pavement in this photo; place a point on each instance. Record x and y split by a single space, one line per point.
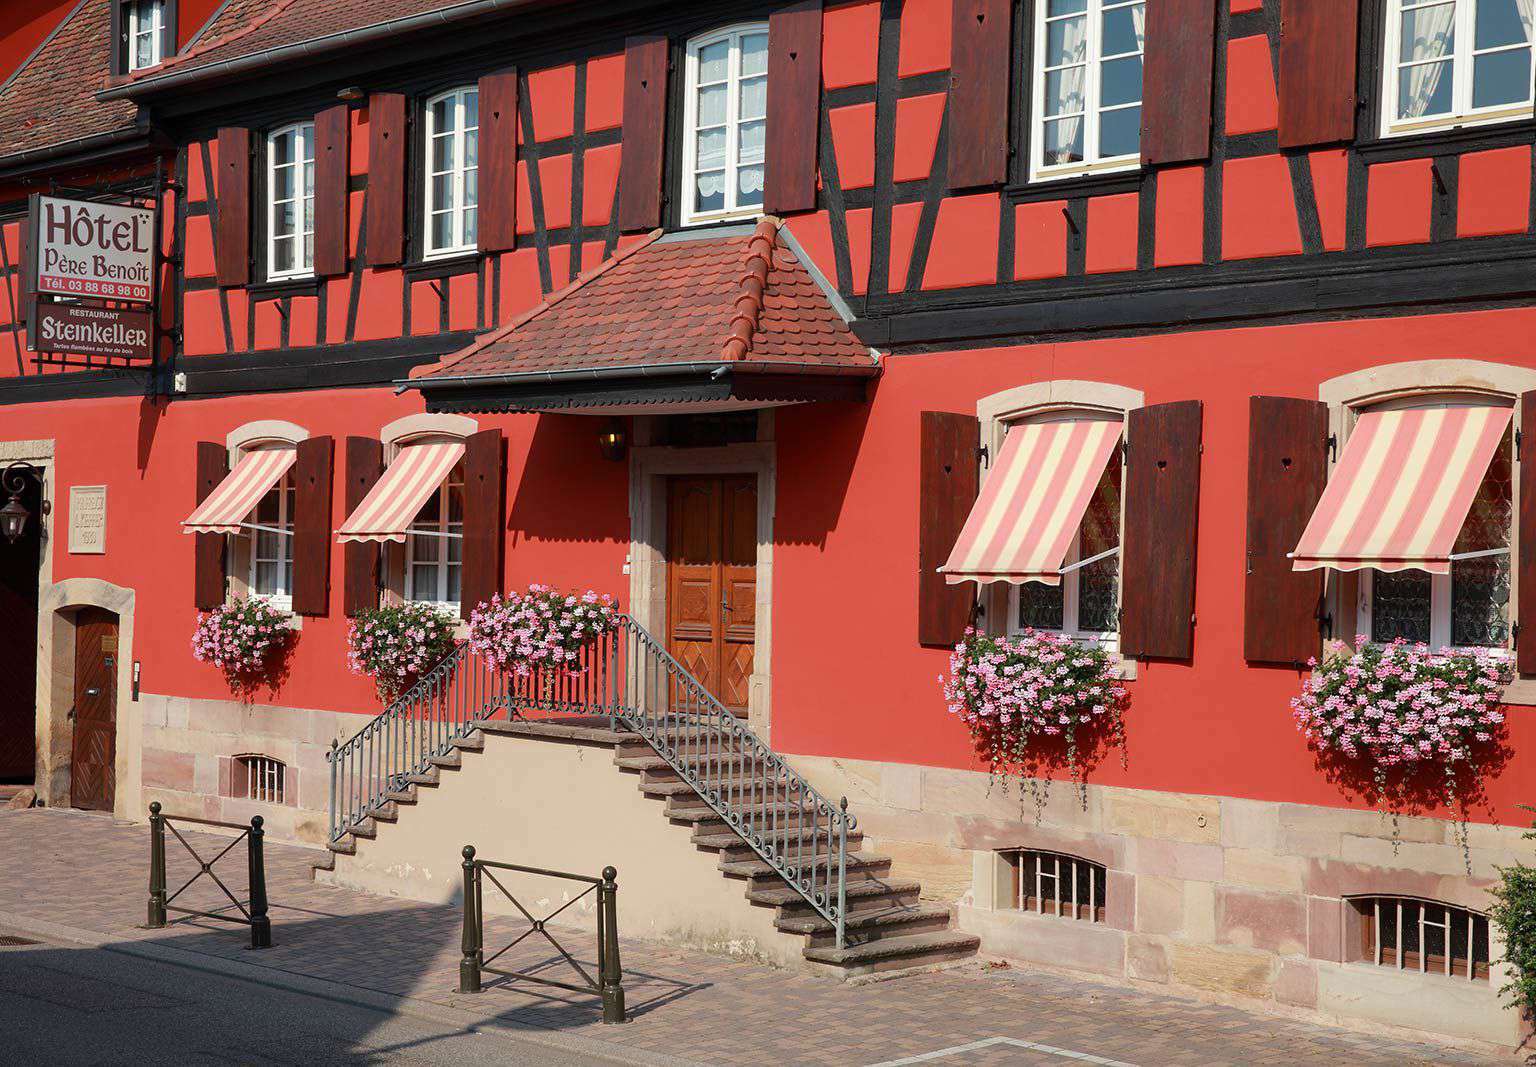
89 872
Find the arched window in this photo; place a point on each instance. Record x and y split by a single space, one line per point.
724 111
434 548
1053 883
1412 934
291 201
452 171
271 548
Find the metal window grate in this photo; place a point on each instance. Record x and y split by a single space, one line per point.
1049 883
1425 936
259 778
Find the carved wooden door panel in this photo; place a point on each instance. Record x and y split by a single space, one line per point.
92 776
712 581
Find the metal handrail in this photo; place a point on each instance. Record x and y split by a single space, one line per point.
627 677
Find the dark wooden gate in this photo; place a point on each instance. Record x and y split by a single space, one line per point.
18 643
93 780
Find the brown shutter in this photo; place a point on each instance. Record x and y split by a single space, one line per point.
26 288
1162 497
978 92
312 527
484 478
1287 469
1525 572
1176 93
208 576
1317 71
947 484
645 121
332 137
794 107
386 179
360 559
233 252
498 162
117 61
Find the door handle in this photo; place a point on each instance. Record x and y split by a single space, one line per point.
93 692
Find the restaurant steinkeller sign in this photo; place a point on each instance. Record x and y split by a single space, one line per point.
87 249
118 333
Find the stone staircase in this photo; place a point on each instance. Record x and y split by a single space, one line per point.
887 927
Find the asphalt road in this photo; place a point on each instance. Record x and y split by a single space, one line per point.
65 1004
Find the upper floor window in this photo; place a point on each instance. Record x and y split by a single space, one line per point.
1456 63
434 548
144 29
453 157
724 109
291 201
1087 86
271 572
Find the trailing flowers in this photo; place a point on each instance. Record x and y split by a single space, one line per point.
540 629
240 638
1401 709
1024 698
396 645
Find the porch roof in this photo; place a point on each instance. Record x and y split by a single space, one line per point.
733 315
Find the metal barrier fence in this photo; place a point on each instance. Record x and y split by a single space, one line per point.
610 981
253 912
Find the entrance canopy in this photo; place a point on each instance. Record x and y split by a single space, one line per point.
232 501
719 319
395 500
1032 502
1402 489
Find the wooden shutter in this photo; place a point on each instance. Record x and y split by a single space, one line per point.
360 559
1525 566
948 480
978 92
1317 71
1287 469
312 526
170 31
645 121
386 179
1162 497
332 144
232 255
484 478
208 575
498 162
1176 94
117 63
794 107
26 288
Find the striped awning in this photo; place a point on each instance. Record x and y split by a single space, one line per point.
1401 491
233 499
395 499
1032 502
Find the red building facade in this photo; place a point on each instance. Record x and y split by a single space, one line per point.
814 263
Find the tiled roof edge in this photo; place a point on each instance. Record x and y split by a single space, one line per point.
197 49
752 285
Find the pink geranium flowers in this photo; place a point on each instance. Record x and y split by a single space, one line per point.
541 628
239 638
396 645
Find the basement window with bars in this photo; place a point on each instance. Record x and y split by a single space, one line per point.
1409 934
258 777
1051 883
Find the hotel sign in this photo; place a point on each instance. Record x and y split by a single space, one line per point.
86 249
118 333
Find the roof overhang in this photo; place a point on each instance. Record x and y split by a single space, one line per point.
637 389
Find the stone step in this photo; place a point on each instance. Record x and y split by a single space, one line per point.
402 796
866 923
386 812
345 845
858 865
427 778
733 847
881 892
913 950
451 761
574 728
474 742
326 864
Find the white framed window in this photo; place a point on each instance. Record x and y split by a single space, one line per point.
1455 63
1087 86
434 546
271 548
1086 605
291 201
452 172
725 106
1470 606
144 30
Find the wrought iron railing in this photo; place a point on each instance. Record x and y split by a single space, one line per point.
629 679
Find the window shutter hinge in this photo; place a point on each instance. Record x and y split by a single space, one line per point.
1517 443
1333 446
1514 635
984 454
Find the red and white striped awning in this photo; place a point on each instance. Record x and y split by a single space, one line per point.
395 499
1401 491
1032 502
233 499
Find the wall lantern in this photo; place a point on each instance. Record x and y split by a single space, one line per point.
14 515
613 441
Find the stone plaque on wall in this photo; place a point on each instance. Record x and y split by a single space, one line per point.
88 519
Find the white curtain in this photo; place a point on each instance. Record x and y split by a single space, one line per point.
1069 96
1433 26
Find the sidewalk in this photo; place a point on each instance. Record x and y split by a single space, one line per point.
88 873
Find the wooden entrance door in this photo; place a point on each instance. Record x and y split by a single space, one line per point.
712 581
92 777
